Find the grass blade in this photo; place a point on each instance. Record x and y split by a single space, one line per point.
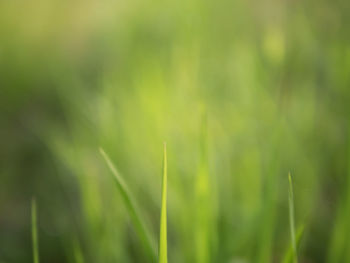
163 250
35 233
289 255
132 208
291 219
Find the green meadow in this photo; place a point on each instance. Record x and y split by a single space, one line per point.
174 131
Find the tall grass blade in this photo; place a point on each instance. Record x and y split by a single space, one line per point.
291 219
163 250
35 233
132 208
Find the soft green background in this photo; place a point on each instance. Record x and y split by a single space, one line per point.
242 92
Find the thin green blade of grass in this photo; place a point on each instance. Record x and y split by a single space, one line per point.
291 219
35 233
132 208
289 255
163 247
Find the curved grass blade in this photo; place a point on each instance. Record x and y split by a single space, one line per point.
163 250
291 219
35 233
131 206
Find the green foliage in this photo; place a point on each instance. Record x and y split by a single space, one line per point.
272 78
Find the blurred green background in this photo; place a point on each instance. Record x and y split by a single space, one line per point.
243 92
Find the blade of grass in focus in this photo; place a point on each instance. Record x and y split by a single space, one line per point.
289 255
35 233
163 250
131 206
291 219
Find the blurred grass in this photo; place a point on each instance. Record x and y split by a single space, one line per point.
134 214
163 240
290 255
35 242
292 219
272 78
